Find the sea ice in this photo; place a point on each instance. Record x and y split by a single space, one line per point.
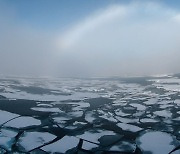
31 140
44 105
127 120
146 120
177 101
63 145
120 113
90 117
22 122
45 109
151 101
128 127
6 116
163 113
94 135
138 106
157 142
7 138
88 145
123 146
107 115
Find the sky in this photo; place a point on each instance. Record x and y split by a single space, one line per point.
95 38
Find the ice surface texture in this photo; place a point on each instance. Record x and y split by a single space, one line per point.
127 115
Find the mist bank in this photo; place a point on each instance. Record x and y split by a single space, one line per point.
133 39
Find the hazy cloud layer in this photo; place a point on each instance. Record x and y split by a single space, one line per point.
23 50
131 39
136 39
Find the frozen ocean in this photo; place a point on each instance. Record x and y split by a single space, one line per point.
90 115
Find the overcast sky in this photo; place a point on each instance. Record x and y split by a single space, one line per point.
89 38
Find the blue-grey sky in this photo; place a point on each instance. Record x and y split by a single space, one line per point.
89 38
57 14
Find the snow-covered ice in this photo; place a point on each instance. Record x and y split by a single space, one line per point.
31 140
129 127
157 142
22 122
63 145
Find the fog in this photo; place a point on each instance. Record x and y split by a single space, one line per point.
130 39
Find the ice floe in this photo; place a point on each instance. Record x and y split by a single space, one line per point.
75 114
44 105
121 113
107 115
94 135
151 101
89 146
76 125
90 116
163 113
129 127
96 114
30 140
45 109
63 145
6 116
7 138
124 146
157 142
148 120
22 122
177 102
127 120
138 106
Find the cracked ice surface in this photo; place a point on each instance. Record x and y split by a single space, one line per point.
129 127
157 142
64 115
95 135
23 122
31 140
63 145
7 138
6 116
